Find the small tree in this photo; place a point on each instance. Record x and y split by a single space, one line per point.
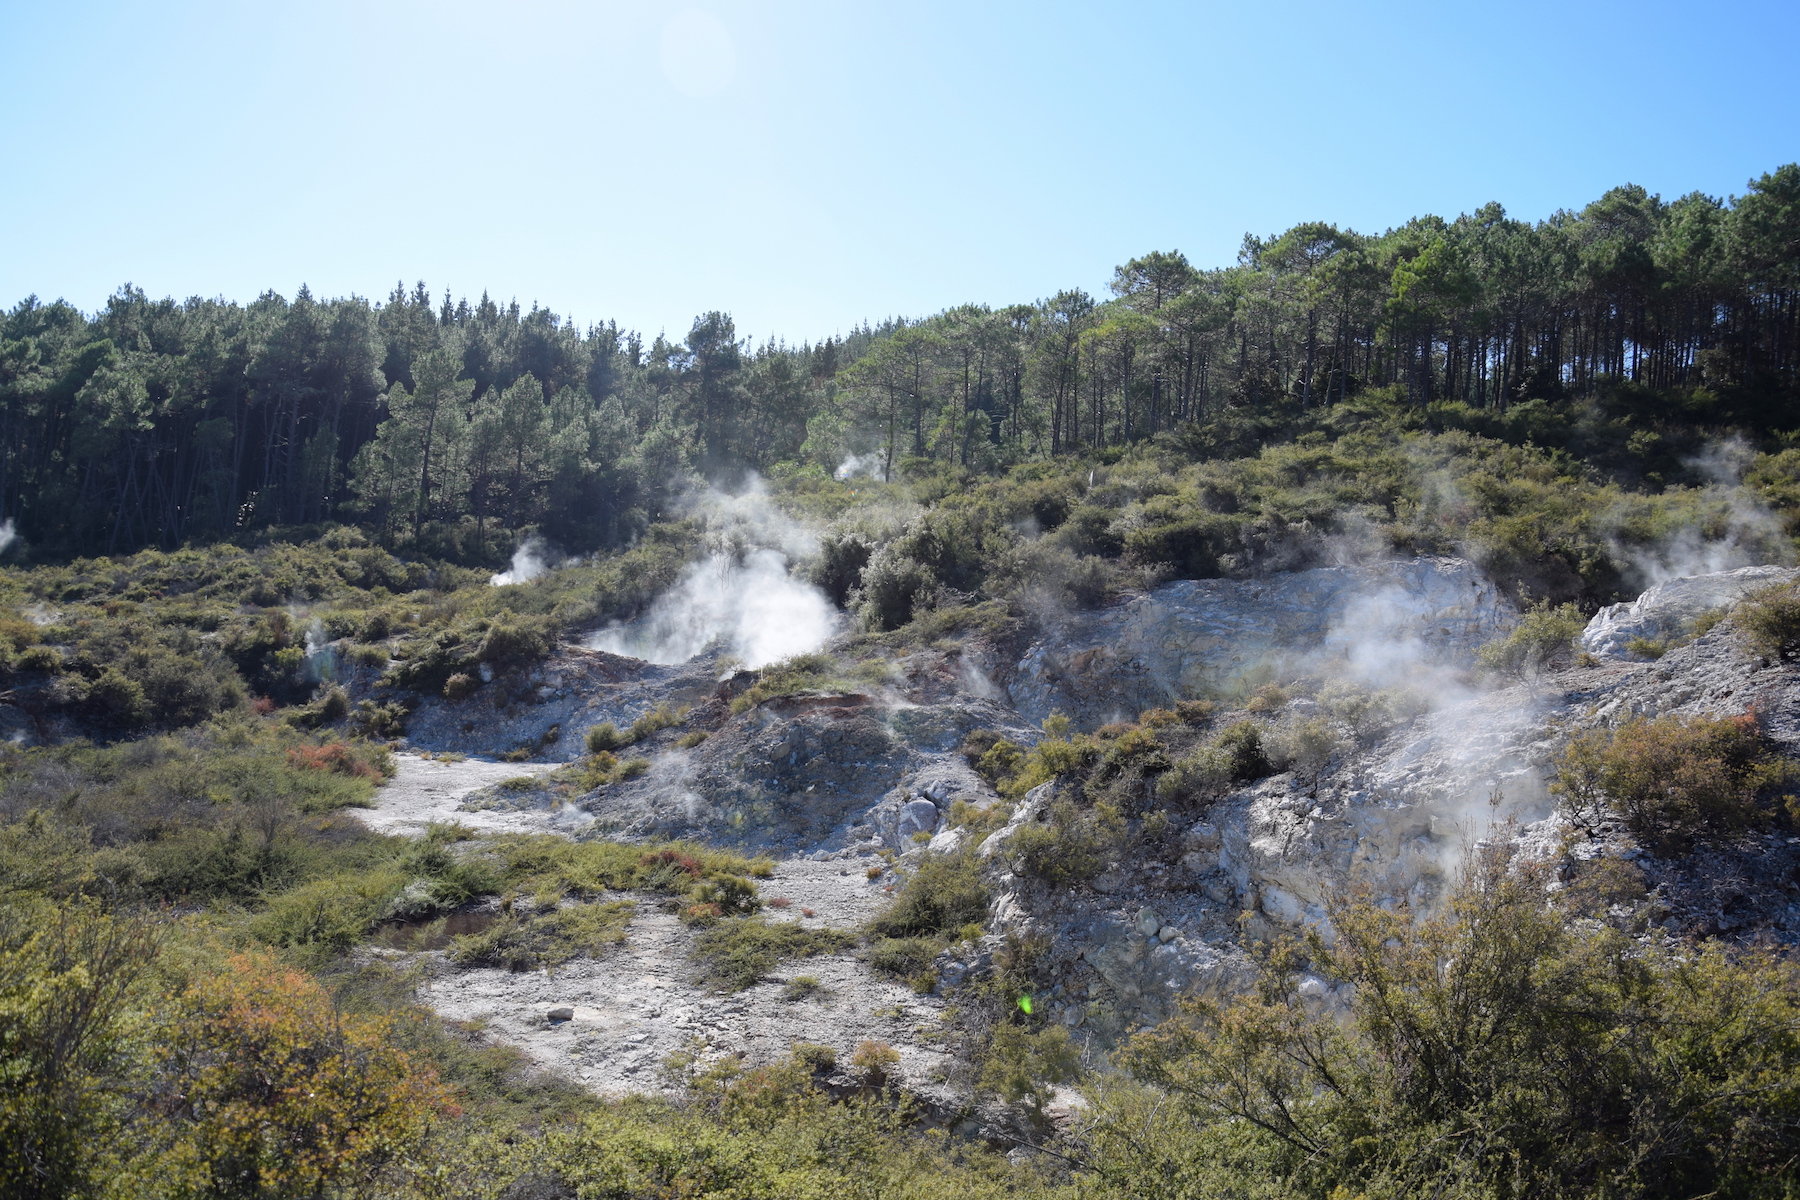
1672 781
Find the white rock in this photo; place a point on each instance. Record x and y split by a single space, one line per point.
1670 607
1282 905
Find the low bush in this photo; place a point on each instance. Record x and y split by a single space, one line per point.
791 677
875 1062
328 914
605 738
655 721
1069 844
804 987
1543 635
547 863
1492 1050
1022 1065
736 952
270 1090
1236 756
1675 781
525 943
1770 620
905 957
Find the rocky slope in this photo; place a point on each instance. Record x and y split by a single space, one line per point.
827 782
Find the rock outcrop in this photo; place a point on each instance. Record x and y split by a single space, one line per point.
1221 636
852 776
1671 608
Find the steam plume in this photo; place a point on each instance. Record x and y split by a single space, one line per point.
527 563
741 598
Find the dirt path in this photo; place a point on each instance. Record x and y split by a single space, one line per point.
429 790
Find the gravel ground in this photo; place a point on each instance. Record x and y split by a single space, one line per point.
636 1004
428 790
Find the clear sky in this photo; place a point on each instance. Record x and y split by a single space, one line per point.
807 165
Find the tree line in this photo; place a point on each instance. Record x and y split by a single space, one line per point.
452 426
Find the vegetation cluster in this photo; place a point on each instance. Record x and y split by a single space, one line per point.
304 501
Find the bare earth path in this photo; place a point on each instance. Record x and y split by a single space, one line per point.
428 790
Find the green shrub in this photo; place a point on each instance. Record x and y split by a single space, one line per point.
1369 714
1543 634
805 987
794 676
1022 1065
655 721
547 863
1305 747
893 584
1069 844
818 1059
119 697
514 641
838 570
1494 1026
605 738
902 956
875 1062
47 659
726 895
383 720
1770 620
1001 761
1674 781
737 952
69 1044
368 656
525 943
331 914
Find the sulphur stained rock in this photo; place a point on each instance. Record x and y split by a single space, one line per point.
1386 624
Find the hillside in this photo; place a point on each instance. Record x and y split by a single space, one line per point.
1323 727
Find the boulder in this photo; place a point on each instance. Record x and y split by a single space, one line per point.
916 816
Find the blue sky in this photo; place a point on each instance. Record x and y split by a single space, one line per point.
807 165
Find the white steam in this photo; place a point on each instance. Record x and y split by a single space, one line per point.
741 599
8 535
1736 530
319 666
1377 642
859 466
527 563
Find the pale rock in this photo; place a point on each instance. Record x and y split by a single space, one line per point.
917 816
947 841
1385 623
1671 607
